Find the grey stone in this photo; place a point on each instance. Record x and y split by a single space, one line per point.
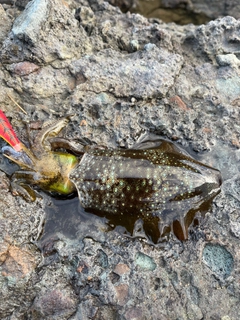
218 259
29 24
109 71
145 262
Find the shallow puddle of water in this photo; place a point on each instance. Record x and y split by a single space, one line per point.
224 158
62 216
66 217
182 16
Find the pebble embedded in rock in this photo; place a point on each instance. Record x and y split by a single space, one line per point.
145 262
122 293
218 259
121 269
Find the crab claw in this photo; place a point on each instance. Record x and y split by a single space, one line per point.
8 134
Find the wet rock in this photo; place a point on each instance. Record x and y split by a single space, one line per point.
121 75
53 304
100 313
16 263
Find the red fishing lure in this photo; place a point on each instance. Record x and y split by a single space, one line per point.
7 132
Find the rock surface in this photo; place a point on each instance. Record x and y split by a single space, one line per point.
121 75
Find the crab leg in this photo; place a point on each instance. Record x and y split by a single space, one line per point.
8 134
